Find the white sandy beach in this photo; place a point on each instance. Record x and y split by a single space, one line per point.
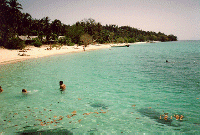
12 56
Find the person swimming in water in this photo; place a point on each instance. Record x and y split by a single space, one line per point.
62 86
1 90
24 91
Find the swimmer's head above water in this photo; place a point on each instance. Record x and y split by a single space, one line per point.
1 90
62 86
61 82
24 91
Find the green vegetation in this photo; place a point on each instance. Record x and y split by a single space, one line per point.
15 23
65 41
86 39
37 42
15 43
120 40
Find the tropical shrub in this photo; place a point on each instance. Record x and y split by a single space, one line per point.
126 39
54 37
36 42
1 42
100 40
62 41
120 40
15 43
162 38
86 39
131 40
69 42
141 38
41 35
65 41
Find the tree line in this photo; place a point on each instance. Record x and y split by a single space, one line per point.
14 23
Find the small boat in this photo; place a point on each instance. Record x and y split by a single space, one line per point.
126 45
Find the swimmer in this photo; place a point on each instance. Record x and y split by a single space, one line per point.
24 91
167 61
1 90
62 86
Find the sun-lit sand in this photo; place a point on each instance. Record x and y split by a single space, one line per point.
11 56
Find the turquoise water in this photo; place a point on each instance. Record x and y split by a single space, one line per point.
109 91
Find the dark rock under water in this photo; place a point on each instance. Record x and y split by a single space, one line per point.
57 131
153 114
99 105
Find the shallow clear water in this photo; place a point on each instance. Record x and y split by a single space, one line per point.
113 91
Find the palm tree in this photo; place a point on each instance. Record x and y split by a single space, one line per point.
35 27
15 5
26 23
4 27
3 12
3 2
46 25
10 19
56 27
15 14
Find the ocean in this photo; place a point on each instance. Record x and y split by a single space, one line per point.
119 90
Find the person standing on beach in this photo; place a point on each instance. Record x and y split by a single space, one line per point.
1 90
84 47
62 86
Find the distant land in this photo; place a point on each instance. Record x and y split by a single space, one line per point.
14 23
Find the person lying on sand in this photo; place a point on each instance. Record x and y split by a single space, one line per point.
22 51
1 90
23 54
48 49
62 86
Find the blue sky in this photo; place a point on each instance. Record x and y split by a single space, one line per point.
178 17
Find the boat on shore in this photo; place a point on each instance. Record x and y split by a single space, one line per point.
124 45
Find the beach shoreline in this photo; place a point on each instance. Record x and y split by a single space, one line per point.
8 56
